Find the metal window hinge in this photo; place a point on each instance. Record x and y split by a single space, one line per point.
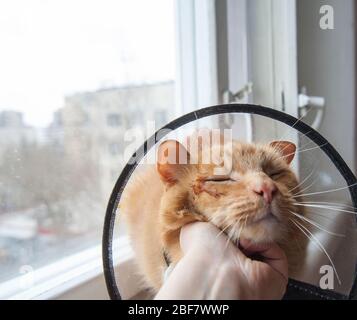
230 97
227 119
306 103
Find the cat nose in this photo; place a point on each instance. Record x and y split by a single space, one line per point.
266 189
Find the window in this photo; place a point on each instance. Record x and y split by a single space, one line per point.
115 148
69 93
113 120
59 81
160 117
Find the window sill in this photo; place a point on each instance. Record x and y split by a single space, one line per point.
65 274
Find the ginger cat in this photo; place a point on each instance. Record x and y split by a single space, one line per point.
252 201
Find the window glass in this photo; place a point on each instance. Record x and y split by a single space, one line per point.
75 77
113 120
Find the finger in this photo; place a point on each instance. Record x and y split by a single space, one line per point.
251 248
187 236
197 234
270 254
276 258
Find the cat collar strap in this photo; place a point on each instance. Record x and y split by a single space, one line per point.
296 289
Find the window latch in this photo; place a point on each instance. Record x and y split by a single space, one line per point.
306 103
230 97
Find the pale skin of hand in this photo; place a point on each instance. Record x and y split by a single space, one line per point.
212 267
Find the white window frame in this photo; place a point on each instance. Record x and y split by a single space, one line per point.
54 279
207 66
197 74
197 85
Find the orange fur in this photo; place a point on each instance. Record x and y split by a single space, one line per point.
158 201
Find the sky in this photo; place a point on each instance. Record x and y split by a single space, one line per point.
50 49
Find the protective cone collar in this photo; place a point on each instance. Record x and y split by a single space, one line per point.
296 289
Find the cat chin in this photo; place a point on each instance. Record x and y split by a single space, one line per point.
264 232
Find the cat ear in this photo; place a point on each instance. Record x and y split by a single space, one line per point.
172 156
286 148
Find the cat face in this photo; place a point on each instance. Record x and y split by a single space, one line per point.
251 200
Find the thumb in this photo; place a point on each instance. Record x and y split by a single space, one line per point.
271 254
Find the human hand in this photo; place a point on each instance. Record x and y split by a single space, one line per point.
238 276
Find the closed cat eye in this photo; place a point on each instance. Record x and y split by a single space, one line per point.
276 174
219 179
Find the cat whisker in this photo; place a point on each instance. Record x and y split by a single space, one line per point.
316 242
304 150
320 215
310 142
217 220
226 227
312 213
330 219
331 208
329 203
245 222
294 124
307 187
230 235
326 191
302 147
315 224
302 182
276 149
240 232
